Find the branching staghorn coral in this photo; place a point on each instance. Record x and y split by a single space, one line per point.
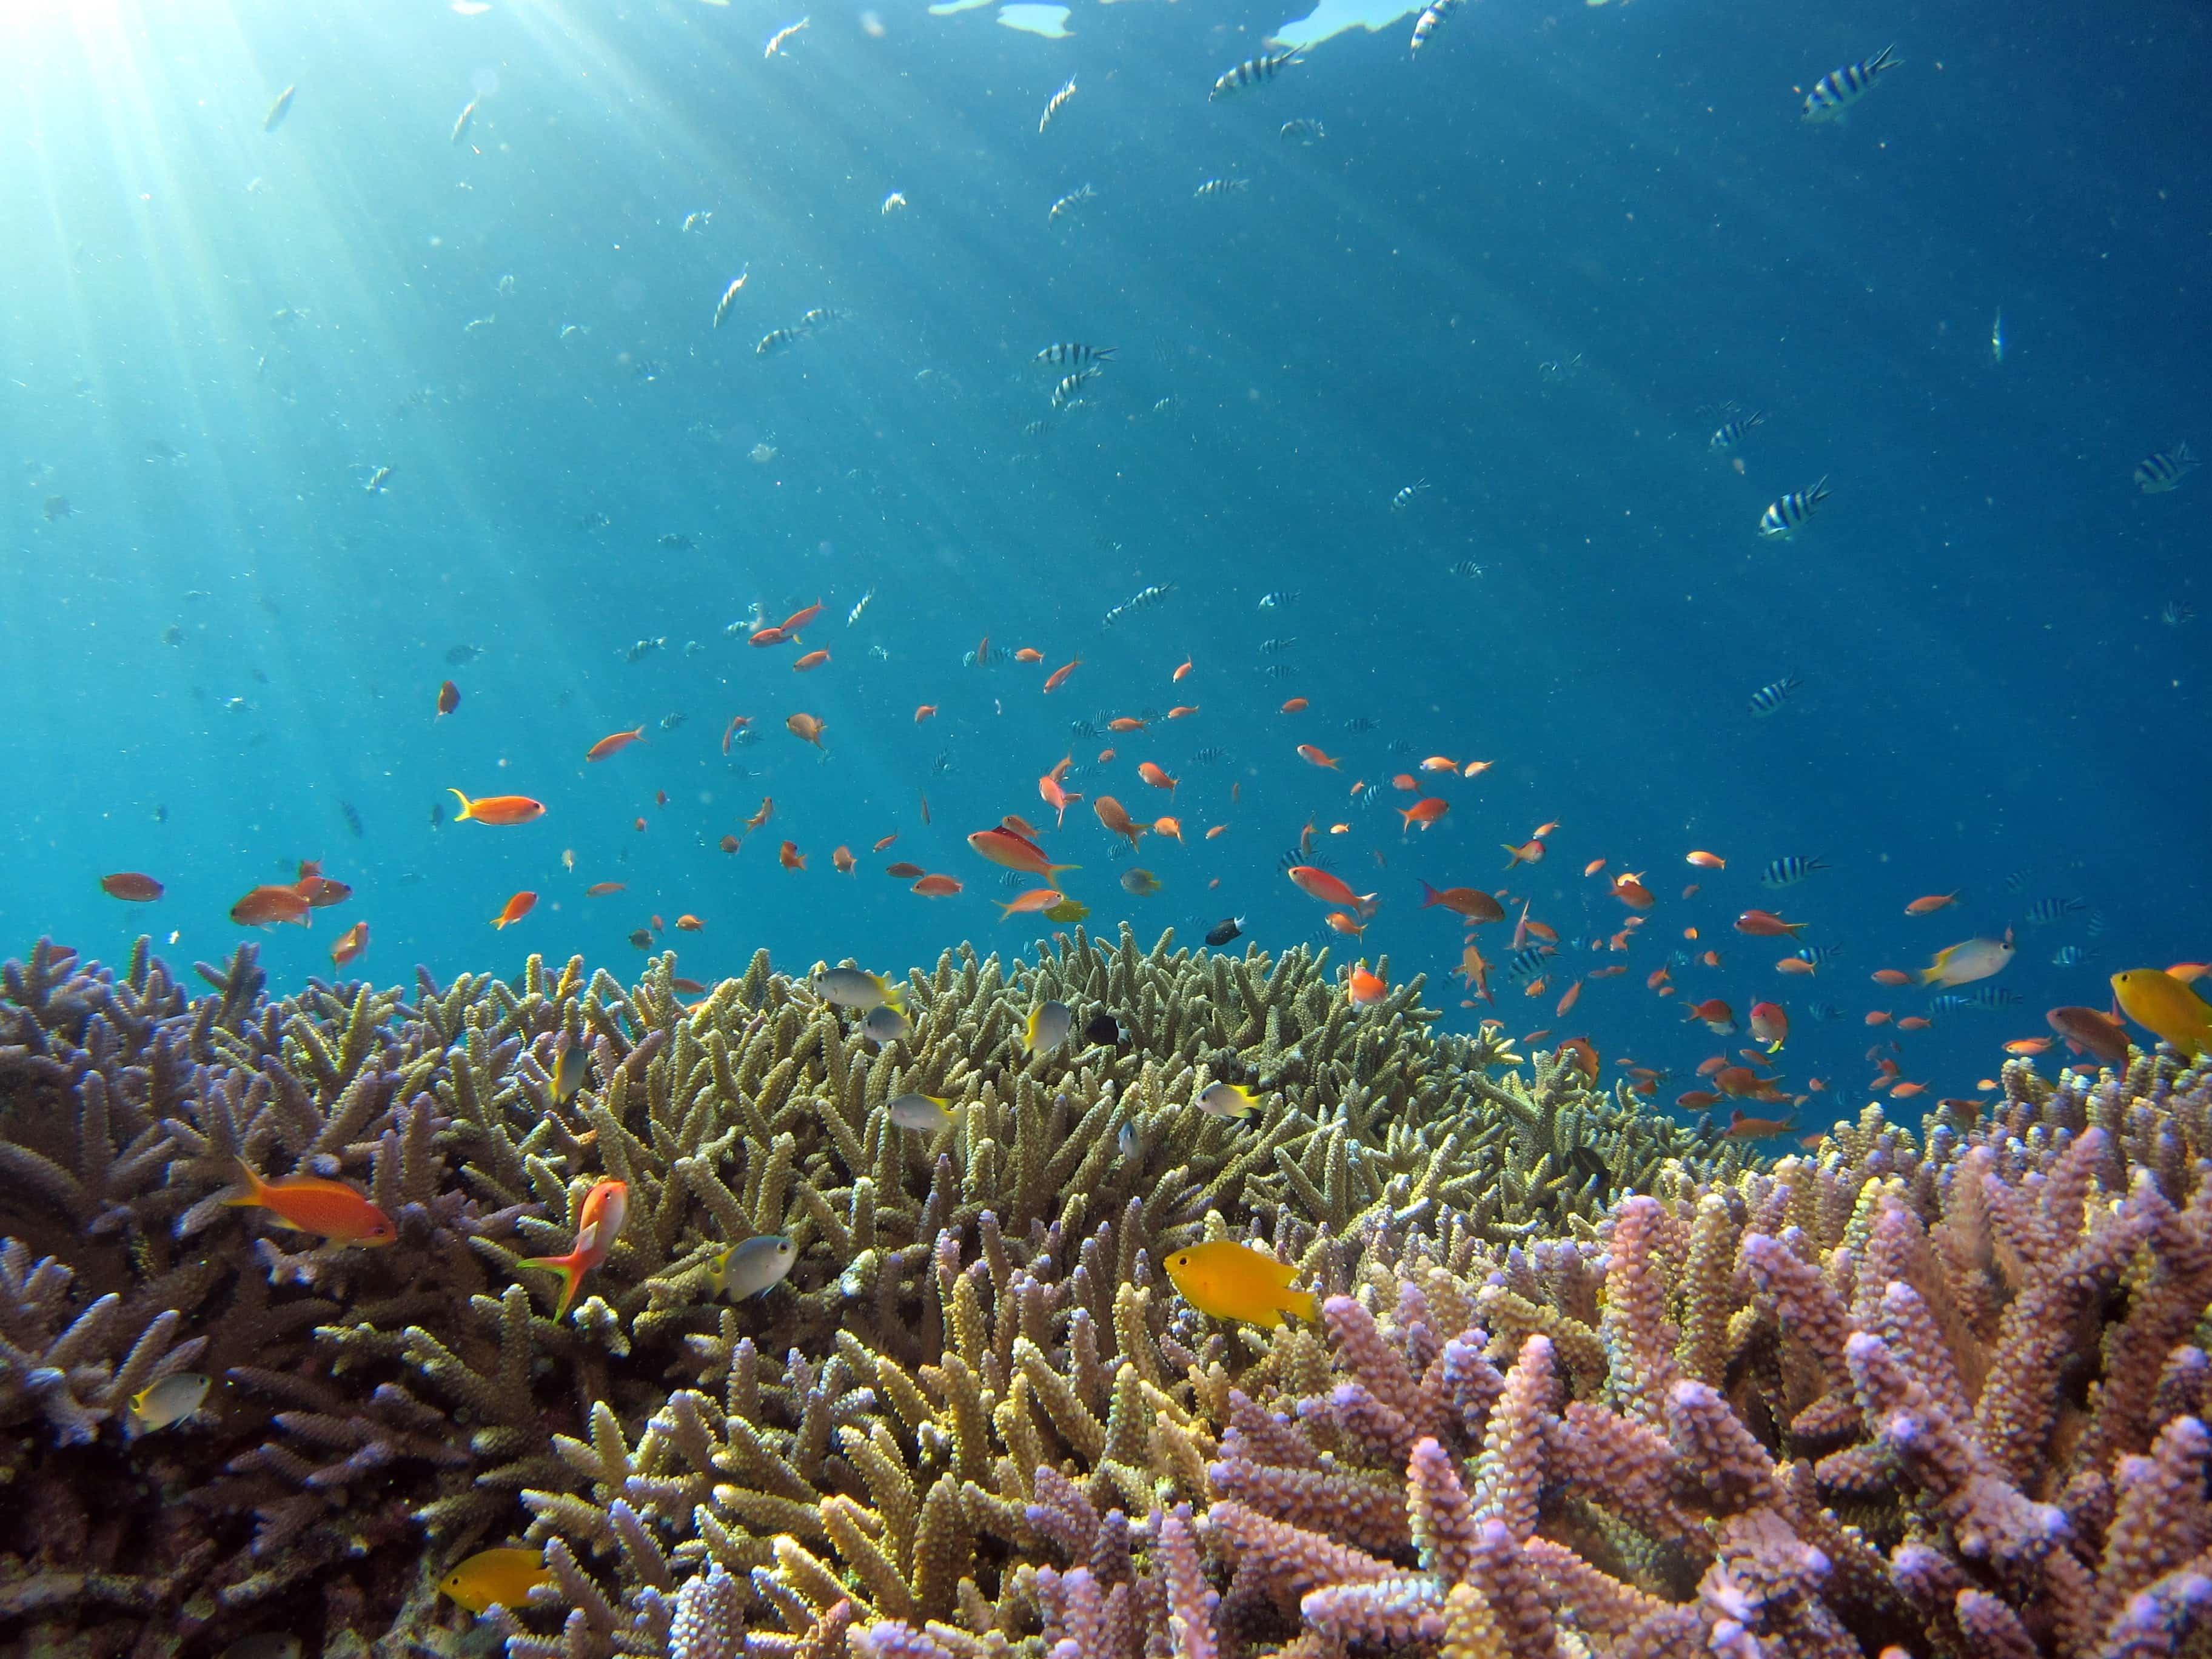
966 1307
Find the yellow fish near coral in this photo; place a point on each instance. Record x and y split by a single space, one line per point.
2158 1002
1234 1281
504 1576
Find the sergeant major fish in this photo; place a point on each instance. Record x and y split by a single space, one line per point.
1788 513
2156 474
1252 72
1839 89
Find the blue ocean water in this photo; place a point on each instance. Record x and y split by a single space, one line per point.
1527 270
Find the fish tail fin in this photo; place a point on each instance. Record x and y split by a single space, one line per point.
571 1272
256 1188
1301 1304
465 801
1052 871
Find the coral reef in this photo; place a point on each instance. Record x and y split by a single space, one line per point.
1586 1385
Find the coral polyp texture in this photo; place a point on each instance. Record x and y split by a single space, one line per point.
1584 1384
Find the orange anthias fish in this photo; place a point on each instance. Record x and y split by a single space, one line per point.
903 871
1293 706
2093 1029
799 619
1472 902
1182 671
1028 654
1116 817
1706 861
764 636
1631 891
886 840
1182 711
1364 989
309 1204
1058 677
1125 723
1717 1016
1037 898
613 743
1054 796
1315 882
1931 904
1013 851
1755 1128
738 723
1313 756
351 943
767 810
1765 924
601 889
1171 828
810 660
935 887
130 884
923 711
1423 813
1530 852
1345 922
499 809
268 905
605 1206
516 908
1891 977
690 924
841 859
1769 1025
807 727
790 857
449 699
1156 776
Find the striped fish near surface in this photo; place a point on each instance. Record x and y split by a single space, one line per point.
1839 89
1430 19
1785 517
1769 698
1252 72
1058 103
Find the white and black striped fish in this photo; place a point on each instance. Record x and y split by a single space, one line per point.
1365 794
2017 881
1730 433
1070 388
1430 19
2094 927
1524 965
1252 72
1222 186
1272 647
858 605
1281 671
2045 911
1058 103
1361 723
1786 516
729 298
1280 597
1405 497
1987 997
822 317
1818 954
1069 202
1839 89
1769 698
1212 754
1074 355
1304 130
1467 568
2156 474
1787 871
2068 956
778 339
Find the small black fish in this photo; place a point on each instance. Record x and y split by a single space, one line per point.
1104 1028
352 816
675 540
161 814
463 653
437 813
1226 929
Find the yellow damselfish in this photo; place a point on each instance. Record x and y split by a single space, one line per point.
2161 1003
1234 1281
504 1576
